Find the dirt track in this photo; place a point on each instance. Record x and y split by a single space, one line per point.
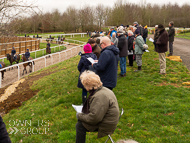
12 75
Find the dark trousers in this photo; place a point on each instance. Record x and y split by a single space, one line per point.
80 132
144 39
130 57
84 95
171 48
110 88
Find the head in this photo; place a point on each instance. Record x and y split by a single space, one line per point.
92 42
105 42
87 48
145 27
112 28
113 34
134 28
27 50
130 33
135 23
120 32
90 80
97 41
160 27
156 27
126 34
171 23
13 48
137 32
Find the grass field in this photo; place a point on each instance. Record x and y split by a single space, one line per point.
183 35
156 107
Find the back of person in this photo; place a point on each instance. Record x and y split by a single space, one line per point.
107 66
139 45
123 46
162 42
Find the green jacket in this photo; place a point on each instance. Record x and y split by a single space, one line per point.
139 45
104 113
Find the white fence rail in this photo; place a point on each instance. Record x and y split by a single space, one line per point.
72 51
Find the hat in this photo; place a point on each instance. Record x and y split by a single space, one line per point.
137 31
91 41
172 23
27 49
112 28
145 26
87 48
120 32
135 22
160 26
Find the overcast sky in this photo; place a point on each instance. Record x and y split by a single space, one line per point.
61 5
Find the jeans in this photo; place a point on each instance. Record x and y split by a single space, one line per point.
80 132
123 65
144 39
171 48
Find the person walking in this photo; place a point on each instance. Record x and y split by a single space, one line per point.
123 51
171 34
131 38
145 33
162 47
139 42
107 64
83 65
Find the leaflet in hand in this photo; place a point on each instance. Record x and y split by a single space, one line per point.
78 108
151 40
91 60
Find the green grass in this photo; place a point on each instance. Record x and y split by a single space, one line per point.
39 53
152 113
183 35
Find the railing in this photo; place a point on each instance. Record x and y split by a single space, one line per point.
73 51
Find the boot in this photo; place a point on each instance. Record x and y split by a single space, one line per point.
139 68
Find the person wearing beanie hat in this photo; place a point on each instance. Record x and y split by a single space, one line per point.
145 33
139 42
83 65
171 34
162 47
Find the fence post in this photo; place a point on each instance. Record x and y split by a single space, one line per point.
59 47
18 72
35 54
51 60
71 52
45 60
59 56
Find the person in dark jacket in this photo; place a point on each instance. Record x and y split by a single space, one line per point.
83 65
145 33
107 63
138 27
156 35
4 137
162 48
123 51
171 34
27 54
95 48
131 37
13 52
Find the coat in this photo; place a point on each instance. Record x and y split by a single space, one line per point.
115 41
123 46
83 65
139 45
4 137
13 52
140 29
103 113
130 42
156 35
107 66
96 50
145 33
162 42
171 34
27 55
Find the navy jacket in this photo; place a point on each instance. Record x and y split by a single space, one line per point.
13 52
27 55
4 137
107 66
84 64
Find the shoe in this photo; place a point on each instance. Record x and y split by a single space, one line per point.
169 55
122 75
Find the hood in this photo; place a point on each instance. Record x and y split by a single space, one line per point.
113 48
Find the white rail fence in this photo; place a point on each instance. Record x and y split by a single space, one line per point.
68 54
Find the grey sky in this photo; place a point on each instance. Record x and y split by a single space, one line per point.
61 5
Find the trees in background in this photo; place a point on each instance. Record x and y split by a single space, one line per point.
94 18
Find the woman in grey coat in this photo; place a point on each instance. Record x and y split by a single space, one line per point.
114 39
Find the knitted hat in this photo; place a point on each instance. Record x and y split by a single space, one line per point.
160 26
145 26
137 31
120 32
87 48
135 23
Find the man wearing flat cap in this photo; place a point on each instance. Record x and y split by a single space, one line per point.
162 47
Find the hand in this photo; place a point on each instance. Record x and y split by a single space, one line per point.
96 61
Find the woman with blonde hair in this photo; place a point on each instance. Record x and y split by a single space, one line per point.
100 112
